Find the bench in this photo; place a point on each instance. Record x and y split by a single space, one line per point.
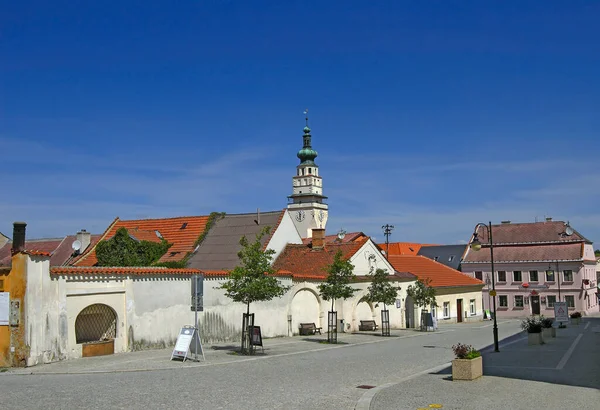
309 329
367 325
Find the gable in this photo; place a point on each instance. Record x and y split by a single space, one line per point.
367 256
219 249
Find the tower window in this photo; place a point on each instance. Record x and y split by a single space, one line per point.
310 170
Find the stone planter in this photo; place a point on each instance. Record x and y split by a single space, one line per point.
575 320
467 369
535 339
99 348
548 333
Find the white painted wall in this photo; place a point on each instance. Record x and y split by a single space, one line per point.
285 233
369 255
41 313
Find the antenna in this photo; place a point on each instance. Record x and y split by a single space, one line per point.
387 231
306 116
257 220
76 245
341 234
568 230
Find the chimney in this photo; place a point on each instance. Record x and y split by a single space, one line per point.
85 238
505 222
18 244
549 219
318 238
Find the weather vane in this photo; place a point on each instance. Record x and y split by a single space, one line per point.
306 116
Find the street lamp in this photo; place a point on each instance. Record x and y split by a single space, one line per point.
476 246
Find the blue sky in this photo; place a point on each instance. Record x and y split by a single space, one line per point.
428 115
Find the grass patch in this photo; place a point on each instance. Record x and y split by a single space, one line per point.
3 369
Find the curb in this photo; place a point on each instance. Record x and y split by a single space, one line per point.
364 403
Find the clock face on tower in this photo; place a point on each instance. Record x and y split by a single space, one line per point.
300 215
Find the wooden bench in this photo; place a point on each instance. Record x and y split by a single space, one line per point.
367 325
309 329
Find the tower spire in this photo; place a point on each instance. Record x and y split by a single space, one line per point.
306 116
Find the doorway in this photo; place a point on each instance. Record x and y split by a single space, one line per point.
459 311
535 305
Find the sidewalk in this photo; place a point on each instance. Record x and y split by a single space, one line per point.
562 374
219 354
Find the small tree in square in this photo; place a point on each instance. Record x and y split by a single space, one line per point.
252 280
422 293
380 290
337 285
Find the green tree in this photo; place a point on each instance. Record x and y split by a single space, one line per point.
337 284
597 252
122 250
380 290
252 280
422 293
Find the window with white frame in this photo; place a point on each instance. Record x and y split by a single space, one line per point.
550 300
434 311
549 276
518 301
517 276
446 309
501 276
568 275
570 299
472 307
503 301
533 276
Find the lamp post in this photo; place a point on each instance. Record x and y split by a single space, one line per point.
476 246
488 282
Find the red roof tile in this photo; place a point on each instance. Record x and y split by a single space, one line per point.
37 253
106 270
305 262
349 237
403 248
439 274
182 232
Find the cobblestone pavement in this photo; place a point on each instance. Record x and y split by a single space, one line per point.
292 373
564 373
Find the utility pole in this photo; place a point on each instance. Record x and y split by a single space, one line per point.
387 231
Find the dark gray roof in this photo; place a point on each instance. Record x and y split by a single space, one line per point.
449 255
220 247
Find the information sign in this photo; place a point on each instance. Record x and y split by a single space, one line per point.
188 342
4 308
256 336
561 313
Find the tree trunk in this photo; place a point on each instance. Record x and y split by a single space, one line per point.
332 300
247 308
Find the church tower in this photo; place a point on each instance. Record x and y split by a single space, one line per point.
306 204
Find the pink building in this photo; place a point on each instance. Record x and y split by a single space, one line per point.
535 264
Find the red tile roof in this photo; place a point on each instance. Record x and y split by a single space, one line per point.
349 237
36 253
105 270
182 232
439 274
403 248
527 253
143 235
305 262
535 232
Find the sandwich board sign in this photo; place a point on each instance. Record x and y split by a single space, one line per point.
561 313
188 342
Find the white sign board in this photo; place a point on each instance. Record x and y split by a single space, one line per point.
4 308
561 313
188 342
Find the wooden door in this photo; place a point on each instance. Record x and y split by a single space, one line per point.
535 305
459 308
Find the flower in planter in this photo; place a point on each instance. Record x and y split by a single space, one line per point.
546 322
462 351
575 315
532 325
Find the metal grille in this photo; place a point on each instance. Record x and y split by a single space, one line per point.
94 323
